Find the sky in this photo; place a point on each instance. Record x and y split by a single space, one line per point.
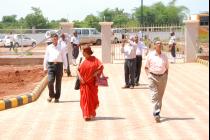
79 9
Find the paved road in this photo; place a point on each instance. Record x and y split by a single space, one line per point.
123 114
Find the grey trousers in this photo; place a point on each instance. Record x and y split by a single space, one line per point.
55 73
138 68
129 68
157 85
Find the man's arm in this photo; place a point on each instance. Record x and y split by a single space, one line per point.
147 65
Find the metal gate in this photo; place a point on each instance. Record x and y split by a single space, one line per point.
150 34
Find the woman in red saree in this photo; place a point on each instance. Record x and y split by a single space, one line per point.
87 72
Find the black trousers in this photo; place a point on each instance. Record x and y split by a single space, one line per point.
173 50
75 51
55 74
129 68
12 46
138 68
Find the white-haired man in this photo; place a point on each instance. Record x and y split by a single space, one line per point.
129 51
156 68
139 51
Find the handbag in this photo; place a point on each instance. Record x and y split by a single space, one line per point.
102 80
77 84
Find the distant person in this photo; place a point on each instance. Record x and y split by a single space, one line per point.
87 72
48 37
12 41
54 61
75 45
139 52
172 46
156 67
64 43
129 50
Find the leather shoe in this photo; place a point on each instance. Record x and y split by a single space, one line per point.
49 99
131 87
56 100
126 86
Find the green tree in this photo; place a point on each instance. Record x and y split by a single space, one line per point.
36 19
92 21
159 13
9 19
63 20
117 16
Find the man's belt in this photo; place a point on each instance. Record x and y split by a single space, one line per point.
54 63
157 74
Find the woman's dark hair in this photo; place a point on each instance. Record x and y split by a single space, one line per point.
88 50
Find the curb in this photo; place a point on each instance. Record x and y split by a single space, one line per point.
201 61
24 99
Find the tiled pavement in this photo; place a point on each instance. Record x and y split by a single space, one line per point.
123 114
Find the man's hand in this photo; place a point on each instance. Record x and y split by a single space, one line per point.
65 70
45 72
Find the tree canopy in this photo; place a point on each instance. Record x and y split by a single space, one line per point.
156 14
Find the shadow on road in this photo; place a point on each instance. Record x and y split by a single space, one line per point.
68 101
163 119
107 118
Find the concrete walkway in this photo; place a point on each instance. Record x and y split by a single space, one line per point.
123 114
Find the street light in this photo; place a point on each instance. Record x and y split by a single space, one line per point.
141 12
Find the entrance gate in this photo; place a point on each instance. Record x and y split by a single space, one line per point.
150 34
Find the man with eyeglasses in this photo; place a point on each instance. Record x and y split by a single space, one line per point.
156 68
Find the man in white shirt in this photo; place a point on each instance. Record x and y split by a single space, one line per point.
12 41
54 61
48 37
156 68
139 52
129 51
75 45
172 46
64 43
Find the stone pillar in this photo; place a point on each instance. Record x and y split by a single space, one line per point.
106 35
191 40
67 27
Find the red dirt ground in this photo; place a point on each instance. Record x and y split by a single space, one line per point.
19 80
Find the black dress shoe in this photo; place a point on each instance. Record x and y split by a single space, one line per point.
49 99
126 86
131 87
56 100
137 84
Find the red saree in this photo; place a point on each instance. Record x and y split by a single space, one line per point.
89 91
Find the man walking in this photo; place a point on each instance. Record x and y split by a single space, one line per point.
129 51
12 41
54 60
139 51
172 47
75 46
156 68
64 44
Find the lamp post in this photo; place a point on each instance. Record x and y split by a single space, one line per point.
141 12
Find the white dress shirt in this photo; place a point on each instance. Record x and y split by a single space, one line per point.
55 54
156 63
75 40
172 40
140 47
63 44
129 50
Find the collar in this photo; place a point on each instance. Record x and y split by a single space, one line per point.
157 53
